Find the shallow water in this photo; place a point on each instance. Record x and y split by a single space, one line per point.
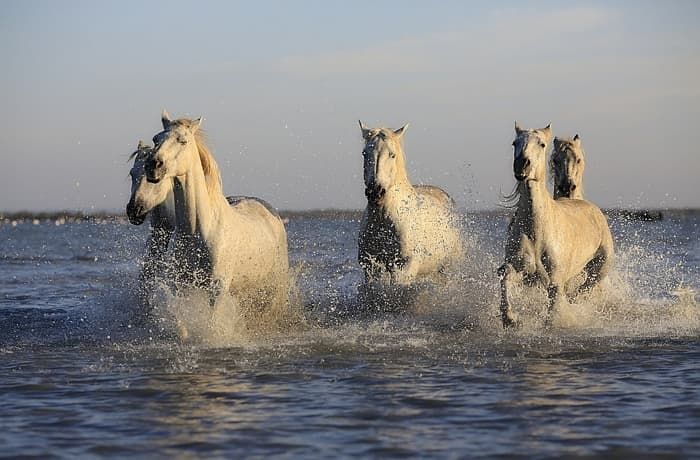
81 375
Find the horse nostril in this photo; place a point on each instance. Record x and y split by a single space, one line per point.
573 186
153 164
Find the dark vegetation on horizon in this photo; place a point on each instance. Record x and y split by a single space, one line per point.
649 215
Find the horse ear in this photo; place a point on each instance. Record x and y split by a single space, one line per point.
165 119
365 129
577 139
141 145
518 129
399 132
547 130
195 124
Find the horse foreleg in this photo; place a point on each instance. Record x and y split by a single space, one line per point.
214 290
555 293
505 272
406 274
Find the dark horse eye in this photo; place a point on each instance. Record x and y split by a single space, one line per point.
542 145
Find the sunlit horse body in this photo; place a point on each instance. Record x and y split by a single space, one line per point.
240 248
156 199
566 166
550 241
407 232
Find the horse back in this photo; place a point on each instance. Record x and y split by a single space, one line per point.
436 193
584 220
237 200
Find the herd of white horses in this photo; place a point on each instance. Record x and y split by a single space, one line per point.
200 239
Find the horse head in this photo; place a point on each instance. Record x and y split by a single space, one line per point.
144 195
384 162
566 166
174 148
530 152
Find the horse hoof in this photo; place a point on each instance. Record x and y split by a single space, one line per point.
548 324
182 331
510 322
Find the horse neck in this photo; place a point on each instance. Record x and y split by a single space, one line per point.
402 187
163 215
395 198
401 178
534 205
578 194
195 209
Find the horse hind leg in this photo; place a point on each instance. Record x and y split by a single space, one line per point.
596 269
509 319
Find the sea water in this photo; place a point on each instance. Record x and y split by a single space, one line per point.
83 372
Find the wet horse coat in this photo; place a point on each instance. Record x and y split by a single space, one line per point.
550 241
407 232
240 250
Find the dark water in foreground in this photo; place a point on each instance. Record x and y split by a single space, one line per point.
79 376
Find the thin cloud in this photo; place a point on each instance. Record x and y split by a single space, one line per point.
504 30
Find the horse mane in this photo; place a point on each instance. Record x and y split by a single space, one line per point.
137 152
212 173
511 200
210 167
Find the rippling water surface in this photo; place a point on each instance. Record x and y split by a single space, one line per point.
82 374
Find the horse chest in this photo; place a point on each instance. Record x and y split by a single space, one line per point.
380 244
193 258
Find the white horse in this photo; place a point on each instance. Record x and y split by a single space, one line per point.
156 199
567 163
407 231
239 249
550 241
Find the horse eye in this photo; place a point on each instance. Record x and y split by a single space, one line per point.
181 140
542 145
392 155
578 161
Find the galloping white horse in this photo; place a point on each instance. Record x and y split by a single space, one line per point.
156 199
406 231
239 249
550 241
566 166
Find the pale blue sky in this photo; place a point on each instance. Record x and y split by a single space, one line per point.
282 84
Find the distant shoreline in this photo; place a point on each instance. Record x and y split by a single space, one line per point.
651 214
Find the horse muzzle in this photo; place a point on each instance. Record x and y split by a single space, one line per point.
135 213
567 187
154 170
374 193
521 168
